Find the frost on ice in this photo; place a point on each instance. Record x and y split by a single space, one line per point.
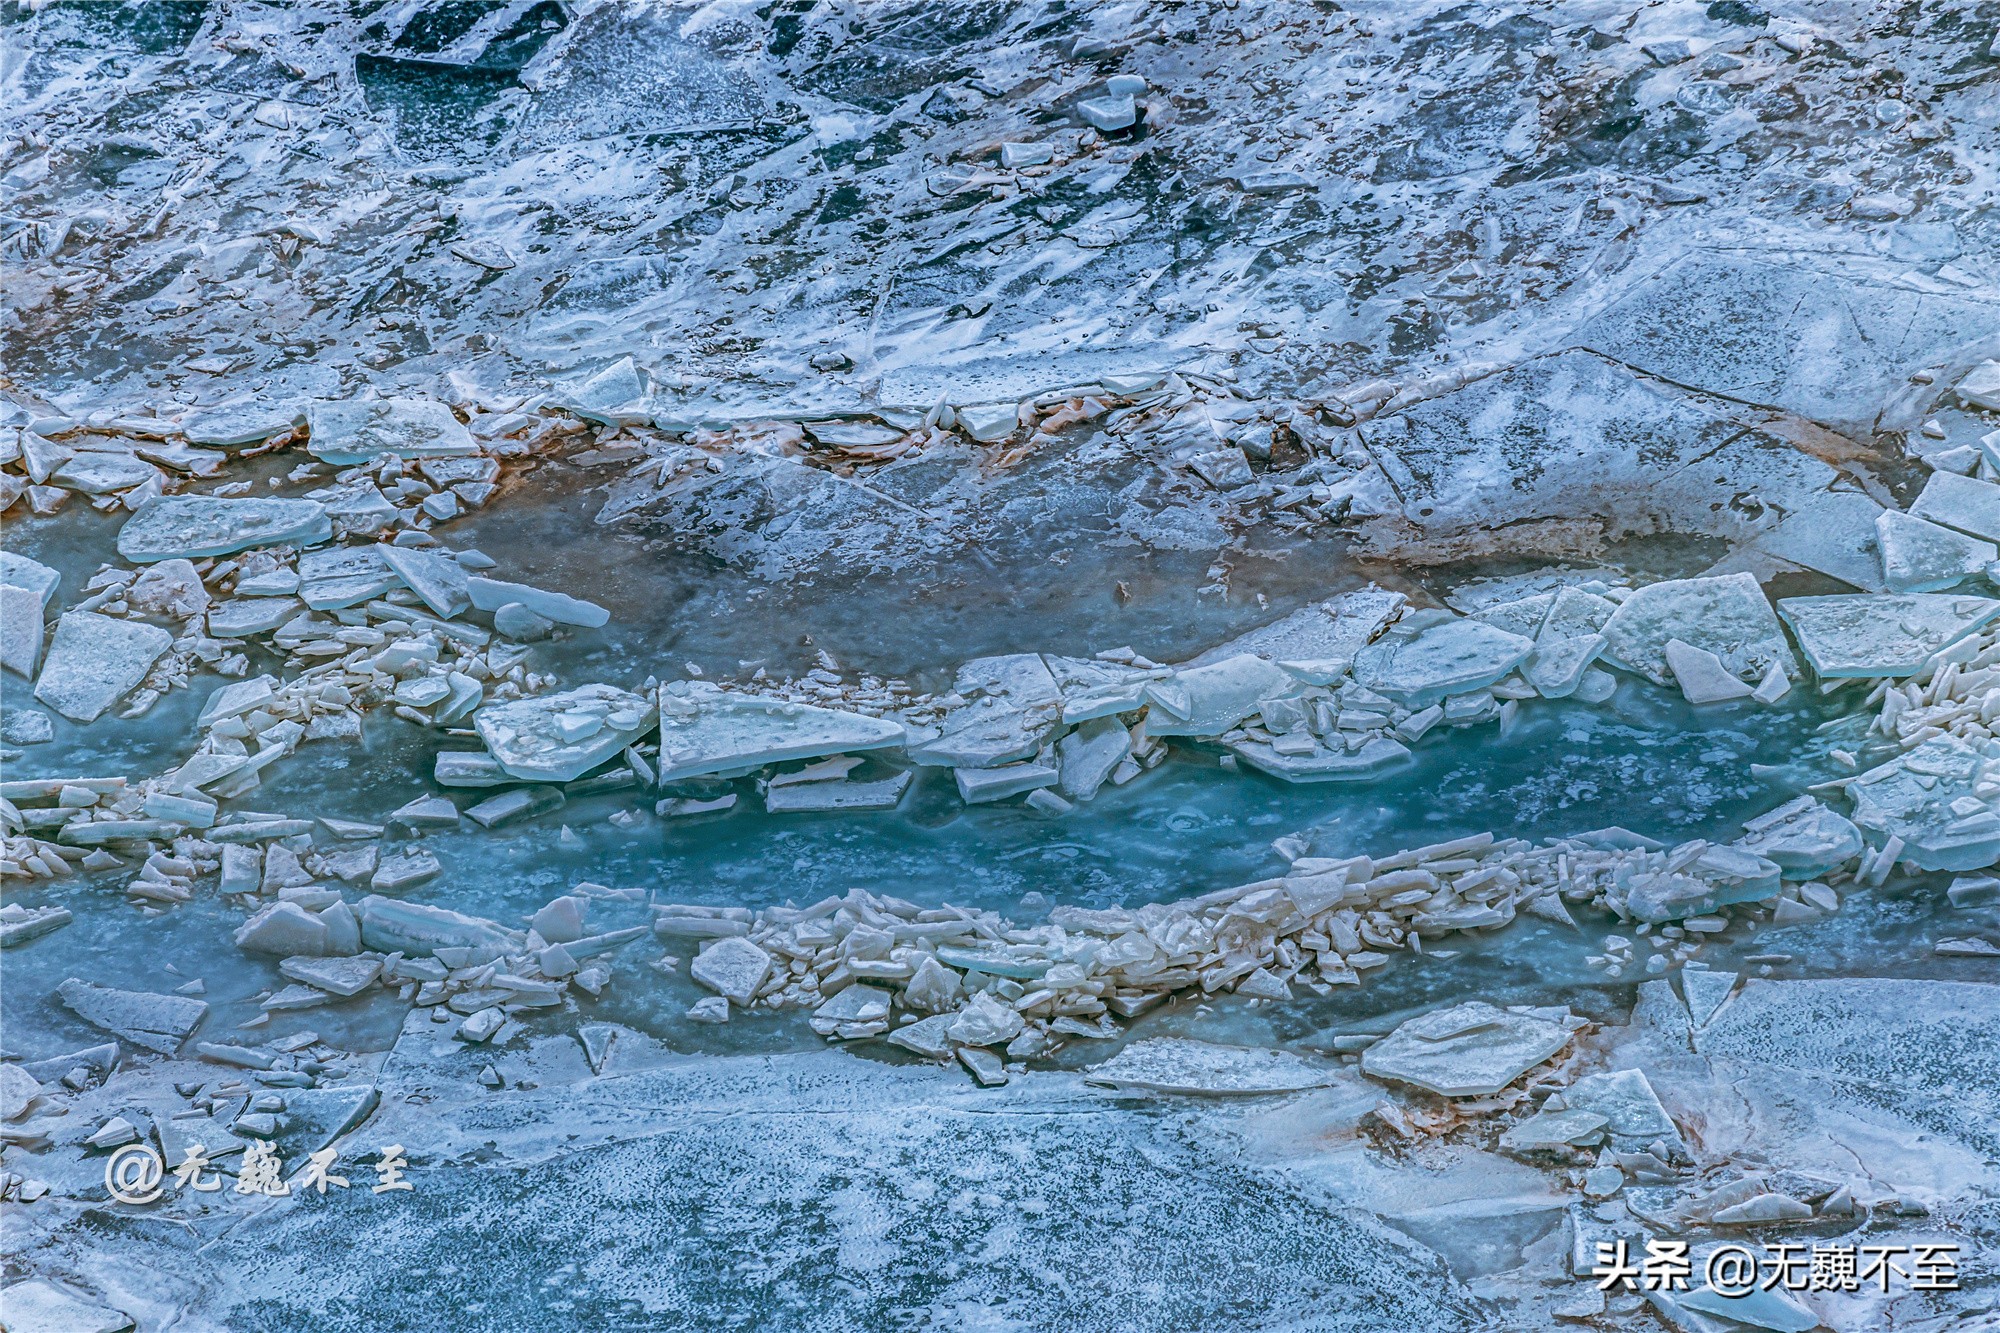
890 642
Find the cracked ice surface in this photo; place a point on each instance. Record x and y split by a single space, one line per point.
1342 651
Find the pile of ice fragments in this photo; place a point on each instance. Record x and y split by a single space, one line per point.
399 463
972 981
1337 691
355 627
864 963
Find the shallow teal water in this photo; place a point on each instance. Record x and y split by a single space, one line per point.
1642 760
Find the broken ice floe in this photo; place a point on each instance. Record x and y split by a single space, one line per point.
20 924
345 432
1803 837
801 797
24 595
1008 707
94 661
1728 616
1316 643
558 737
342 576
705 729
438 579
191 526
1472 1050
18 571
1882 635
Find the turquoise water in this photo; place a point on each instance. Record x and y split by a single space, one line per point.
1642 760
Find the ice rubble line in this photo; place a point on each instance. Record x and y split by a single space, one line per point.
1300 717
1324 923
1325 637
383 653
410 463
1328 638
406 465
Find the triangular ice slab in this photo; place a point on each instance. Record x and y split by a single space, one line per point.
707 729
1921 556
1700 674
1556 666
1574 614
1523 615
1705 993
438 579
